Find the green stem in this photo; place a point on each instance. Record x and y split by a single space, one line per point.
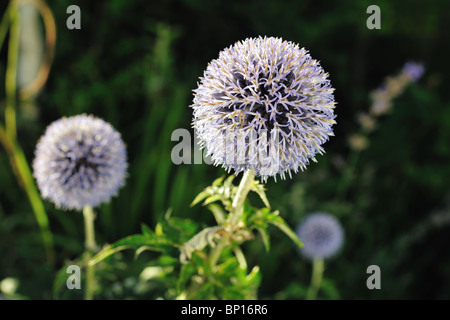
218 250
35 200
235 215
89 218
4 25
11 73
316 278
91 246
23 173
8 135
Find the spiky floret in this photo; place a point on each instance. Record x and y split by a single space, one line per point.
269 90
80 161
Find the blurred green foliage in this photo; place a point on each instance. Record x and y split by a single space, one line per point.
135 64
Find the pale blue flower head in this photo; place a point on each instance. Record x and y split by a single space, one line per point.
321 234
264 105
80 161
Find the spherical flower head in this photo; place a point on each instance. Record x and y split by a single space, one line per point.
321 234
80 161
264 105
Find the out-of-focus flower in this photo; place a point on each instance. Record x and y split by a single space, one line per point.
366 121
80 161
358 142
322 235
9 285
394 86
264 105
413 70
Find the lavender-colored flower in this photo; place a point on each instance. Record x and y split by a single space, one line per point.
394 86
321 234
413 70
264 105
80 161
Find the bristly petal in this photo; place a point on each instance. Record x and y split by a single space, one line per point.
264 105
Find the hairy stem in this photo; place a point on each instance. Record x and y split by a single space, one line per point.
235 214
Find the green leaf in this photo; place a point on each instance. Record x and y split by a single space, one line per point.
150 241
218 212
265 238
187 270
212 199
202 195
60 281
279 222
240 257
218 181
329 289
259 189
146 230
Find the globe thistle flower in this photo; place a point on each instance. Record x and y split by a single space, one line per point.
264 105
80 161
321 234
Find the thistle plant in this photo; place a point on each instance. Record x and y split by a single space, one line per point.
263 108
322 236
80 162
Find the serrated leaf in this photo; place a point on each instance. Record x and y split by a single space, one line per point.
279 222
142 249
218 181
153 242
105 253
259 189
229 181
212 199
202 195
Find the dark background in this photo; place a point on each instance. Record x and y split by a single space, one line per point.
135 64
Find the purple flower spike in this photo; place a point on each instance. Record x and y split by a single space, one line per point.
80 161
264 105
413 70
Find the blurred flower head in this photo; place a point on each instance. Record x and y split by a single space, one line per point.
413 70
321 234
358 142
80 161
367 121
264 105
393 87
